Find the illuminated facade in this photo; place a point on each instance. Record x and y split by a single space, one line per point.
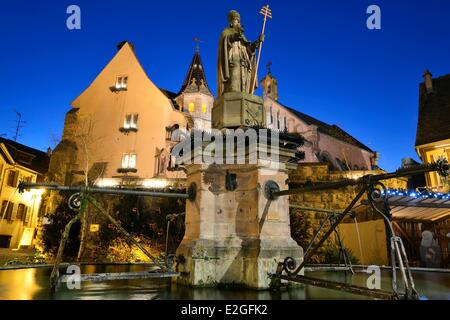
324 143
19 212
119 131
433 130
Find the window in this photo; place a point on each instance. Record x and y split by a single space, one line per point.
7 209
26 215
271 115
204 108
170 135
131 121
286 124
191 107
162 162
13 177
278 120
129 161
28 179
21 212
122 83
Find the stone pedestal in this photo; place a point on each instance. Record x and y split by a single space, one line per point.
235 237
236 109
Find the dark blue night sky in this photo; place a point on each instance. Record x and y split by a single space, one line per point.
327 62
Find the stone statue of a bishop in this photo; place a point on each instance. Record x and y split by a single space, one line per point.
236 66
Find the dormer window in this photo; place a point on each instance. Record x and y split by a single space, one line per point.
122 83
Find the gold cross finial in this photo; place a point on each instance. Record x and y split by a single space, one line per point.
197 44
269 67
266 12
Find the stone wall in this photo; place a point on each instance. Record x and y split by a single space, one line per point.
305 223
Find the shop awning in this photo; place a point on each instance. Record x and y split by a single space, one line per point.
420 210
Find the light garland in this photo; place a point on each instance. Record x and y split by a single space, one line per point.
418 194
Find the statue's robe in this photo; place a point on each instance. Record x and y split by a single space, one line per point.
236 63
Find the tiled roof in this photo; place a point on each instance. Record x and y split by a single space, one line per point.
331 130
434 112
28 157
171 96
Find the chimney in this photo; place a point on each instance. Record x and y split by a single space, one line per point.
428 78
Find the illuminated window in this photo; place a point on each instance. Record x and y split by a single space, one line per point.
131 121
204 109
129 161
122 83
191 107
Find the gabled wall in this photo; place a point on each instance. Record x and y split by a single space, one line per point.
101 114
317 142
15 226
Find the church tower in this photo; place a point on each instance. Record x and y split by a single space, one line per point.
270 84
195 97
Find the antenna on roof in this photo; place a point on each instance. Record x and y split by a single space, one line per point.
19 125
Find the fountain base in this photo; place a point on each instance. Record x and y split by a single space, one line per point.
235 237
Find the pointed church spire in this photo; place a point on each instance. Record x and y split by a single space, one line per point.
195 80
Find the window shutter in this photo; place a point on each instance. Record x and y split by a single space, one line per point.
26 214
3 213
11 178
9 211
16 178
21 212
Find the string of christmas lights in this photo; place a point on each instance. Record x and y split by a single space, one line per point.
418 194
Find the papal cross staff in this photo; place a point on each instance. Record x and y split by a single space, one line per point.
267 13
